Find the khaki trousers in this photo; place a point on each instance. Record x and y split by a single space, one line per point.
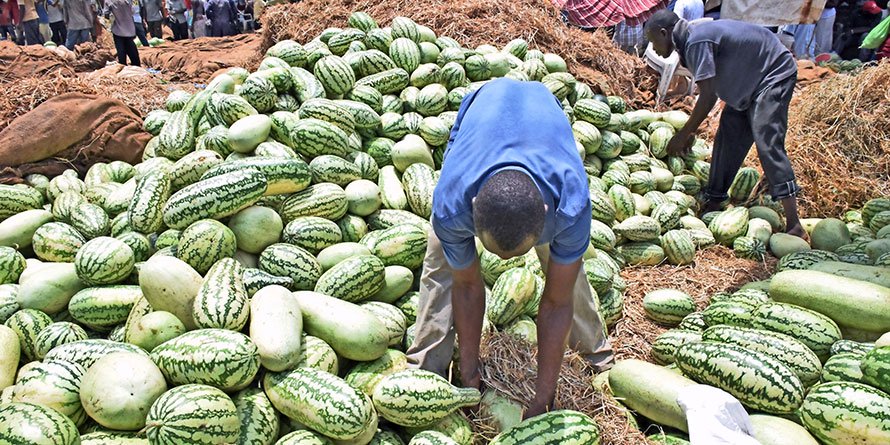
434 340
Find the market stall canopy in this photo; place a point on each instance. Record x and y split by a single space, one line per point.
772 12
599 13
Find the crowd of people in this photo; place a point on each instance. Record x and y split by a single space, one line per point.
839 31
72 22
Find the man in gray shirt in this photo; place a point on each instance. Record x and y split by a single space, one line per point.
123 29
176 15
154 16
749 68
79 18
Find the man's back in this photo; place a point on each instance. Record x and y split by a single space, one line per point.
510 124
742 58
78 14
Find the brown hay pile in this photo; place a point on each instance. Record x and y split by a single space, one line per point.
591 56
196 60
839 141
509 365
143 93
716 269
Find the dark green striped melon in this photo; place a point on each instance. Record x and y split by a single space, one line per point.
33 424
205 242
192 414
104 260
225 359
286 260
354 279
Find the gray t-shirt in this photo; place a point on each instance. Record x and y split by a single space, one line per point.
78 14
176 9
122 10
54 11
743 59
153 11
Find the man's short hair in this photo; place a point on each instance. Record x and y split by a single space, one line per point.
664 19
510 209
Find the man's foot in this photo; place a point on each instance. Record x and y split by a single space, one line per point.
799 232
710 206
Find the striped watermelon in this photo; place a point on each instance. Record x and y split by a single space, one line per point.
34 424
225 359
54 385
283 175
839 413
193 414
668 306
758 381
27 324
415 397
91 221
844 367
222 300
560 427
419 180
56 334
510 295
322 200
678 246
321 401
402 245
665 345
813 329
214 198
286 260
312 233
784 348
205 242
354 279
876 368
393 319
103 308
259 420
87 352
316 354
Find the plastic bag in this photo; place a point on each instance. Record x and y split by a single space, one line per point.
715 417
877 35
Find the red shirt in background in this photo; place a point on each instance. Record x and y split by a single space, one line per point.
9 13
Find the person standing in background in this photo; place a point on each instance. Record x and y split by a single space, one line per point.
43 20
9 18
56 21
154 17
689 10
199 19
176 17
222 16
30 23
629 38
138 23
79 17
123 29
823 34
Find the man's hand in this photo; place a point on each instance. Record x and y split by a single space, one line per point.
554 321
680 144
468 305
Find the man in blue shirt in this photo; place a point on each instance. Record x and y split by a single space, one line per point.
748 67
513 178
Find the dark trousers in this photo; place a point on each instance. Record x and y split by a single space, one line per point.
7 32
32 32
764 123
140 33
60 33
126 47
180 30
155 29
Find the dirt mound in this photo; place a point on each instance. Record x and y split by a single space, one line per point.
591 56
196 60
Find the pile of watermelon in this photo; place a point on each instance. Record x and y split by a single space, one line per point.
255 279
807 350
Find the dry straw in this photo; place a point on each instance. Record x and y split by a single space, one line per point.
509 365
591 56
716 269
839 141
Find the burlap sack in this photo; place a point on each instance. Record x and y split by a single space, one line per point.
73 130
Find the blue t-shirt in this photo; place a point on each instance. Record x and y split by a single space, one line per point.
507 124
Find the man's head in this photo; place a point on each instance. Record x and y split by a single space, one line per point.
508 213
658 31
